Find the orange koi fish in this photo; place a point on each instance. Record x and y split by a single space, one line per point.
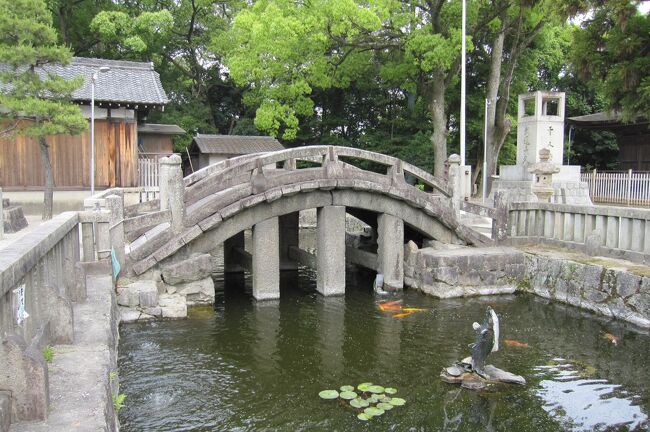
402 315
613 339
514 343
391 306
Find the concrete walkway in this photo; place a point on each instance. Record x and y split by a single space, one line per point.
83 376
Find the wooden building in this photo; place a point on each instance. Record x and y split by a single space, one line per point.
123 98
209 149
633 137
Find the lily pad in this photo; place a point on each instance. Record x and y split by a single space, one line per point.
376 389
373 411
363 416
390 390
347 388
373 399
348 395
328 394
397 401
385 399
359 403
385 406
364 386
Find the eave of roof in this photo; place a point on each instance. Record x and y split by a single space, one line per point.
235 144
160 129
604 120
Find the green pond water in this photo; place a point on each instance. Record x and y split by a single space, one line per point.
247 366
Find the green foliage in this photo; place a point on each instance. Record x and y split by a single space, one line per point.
27 43
611 50
118 401
112 376
48 354
132 34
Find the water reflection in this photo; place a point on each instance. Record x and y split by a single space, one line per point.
583 403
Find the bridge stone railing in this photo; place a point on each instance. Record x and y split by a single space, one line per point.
596 230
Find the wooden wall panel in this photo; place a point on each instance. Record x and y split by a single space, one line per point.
115 159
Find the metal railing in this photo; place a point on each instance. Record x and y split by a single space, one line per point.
618 187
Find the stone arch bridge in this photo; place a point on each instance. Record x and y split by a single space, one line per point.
266 191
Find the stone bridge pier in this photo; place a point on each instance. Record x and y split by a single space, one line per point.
275 244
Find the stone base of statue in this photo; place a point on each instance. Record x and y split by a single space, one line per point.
462 373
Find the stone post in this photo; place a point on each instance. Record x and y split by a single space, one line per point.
266 260
500 221
289 237
330 258
455 183
102 235
115 205
390 253
172 190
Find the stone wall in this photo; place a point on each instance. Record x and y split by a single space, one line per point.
446 272
609 287
617 292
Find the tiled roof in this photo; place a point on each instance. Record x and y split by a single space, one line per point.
236 144
161 129
125 83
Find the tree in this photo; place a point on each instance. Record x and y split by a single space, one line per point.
612 49
174 35
38 102
286 51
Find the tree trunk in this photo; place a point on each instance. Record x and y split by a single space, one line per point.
494 81
439 121
48 193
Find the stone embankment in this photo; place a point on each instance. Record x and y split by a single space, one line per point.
610 287
168 291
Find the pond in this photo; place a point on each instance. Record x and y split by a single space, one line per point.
247 366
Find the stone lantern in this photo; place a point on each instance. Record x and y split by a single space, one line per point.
543 170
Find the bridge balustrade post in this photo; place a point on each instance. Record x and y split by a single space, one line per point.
266 260
330 258
115 204
390 251
172 190
455 183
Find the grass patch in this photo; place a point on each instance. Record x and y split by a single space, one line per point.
112 376
118 401
48 354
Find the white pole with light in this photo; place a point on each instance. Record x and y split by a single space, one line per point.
92 126
462 87
485 138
